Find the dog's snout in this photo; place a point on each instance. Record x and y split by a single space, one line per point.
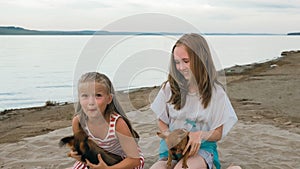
173 149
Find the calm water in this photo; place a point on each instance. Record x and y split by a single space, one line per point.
35 69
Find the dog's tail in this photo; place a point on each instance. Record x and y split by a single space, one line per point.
65 140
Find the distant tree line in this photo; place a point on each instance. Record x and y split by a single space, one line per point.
294 33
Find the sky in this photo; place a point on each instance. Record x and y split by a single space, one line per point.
209 16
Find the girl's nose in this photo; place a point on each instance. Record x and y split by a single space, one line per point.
91 100
181 66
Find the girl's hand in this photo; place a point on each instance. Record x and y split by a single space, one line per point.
194 142
74 154
100 165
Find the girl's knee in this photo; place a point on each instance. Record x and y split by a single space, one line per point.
162 165
234 167
195 162
159 165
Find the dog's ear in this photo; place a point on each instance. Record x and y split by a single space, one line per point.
161 135
65 140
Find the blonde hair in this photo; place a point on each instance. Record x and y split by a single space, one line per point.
112 107
202 67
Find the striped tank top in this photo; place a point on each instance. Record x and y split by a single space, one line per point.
110 143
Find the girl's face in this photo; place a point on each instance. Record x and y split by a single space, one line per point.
93 98
182 61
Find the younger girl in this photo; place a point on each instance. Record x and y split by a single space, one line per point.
101 116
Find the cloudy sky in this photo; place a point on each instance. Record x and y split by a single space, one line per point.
253 16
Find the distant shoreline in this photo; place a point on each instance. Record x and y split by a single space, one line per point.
12 30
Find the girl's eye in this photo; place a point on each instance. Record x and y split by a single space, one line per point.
98 95
84 95
186 61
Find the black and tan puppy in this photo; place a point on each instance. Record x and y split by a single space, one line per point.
176 142
88 149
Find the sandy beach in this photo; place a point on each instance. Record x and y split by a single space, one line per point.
265 96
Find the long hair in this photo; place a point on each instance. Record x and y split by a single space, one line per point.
202 68
112 107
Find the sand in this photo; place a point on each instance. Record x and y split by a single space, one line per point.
265 96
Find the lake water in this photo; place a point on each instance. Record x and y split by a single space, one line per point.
35 69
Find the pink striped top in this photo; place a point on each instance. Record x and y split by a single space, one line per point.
110 143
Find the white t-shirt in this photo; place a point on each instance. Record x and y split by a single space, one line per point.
193 117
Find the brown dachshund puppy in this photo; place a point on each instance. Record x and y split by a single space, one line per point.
88 149
176 142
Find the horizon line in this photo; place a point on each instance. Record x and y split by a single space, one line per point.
92 32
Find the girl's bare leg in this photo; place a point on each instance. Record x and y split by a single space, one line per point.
162 165
194 162
234 167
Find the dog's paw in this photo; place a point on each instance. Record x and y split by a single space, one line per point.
185 166
169 167
169 162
